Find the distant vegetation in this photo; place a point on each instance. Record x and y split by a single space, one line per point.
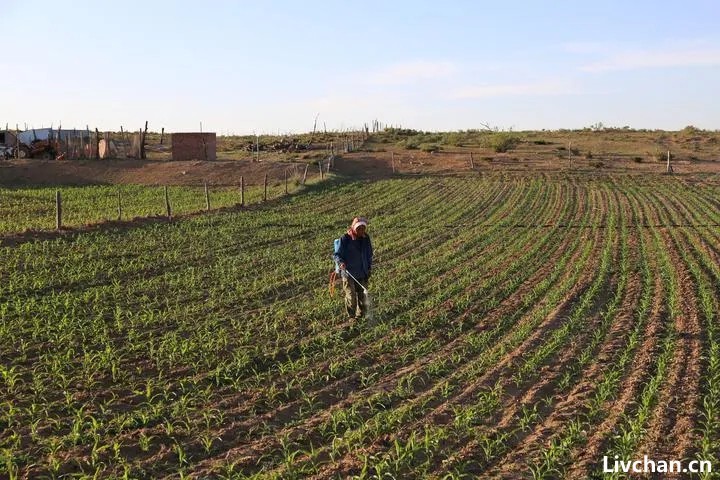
591 142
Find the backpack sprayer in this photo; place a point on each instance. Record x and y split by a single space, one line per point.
334 276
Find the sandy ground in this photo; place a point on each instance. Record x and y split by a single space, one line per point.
369 164
142 172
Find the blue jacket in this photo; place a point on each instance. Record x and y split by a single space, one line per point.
357 255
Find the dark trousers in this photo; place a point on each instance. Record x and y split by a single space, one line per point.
355 304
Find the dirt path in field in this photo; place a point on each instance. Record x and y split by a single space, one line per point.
587 458
530 393
440 414
571 403
280 415
389 381
671 429
349 385
35 172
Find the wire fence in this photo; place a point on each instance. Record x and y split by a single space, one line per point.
47 208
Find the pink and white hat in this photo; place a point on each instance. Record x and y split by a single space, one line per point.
357 221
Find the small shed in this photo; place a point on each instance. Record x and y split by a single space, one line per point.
29 136
8 138
194 146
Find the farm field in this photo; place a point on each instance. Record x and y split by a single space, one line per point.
35 208
525 325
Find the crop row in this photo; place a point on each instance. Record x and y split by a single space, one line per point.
515 319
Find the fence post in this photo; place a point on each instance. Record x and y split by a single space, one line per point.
286 182
119 204
207 197
242 191
265 189
305 174
669 167
321 170
97 144
167 203
58 210
392 157
472 162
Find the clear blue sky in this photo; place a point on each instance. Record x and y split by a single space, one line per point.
272 66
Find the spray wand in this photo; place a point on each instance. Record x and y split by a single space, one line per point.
365 290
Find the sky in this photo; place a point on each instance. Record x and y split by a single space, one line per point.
245 67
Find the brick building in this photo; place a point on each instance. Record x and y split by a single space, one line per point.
194 146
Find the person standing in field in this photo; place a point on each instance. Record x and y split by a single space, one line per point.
355 255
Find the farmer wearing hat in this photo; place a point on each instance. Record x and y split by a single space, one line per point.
355 256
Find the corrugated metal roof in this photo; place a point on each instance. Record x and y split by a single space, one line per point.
29 136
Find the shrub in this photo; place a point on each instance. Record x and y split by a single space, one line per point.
410 144
502 142
454 139
690 130
661 155
429 147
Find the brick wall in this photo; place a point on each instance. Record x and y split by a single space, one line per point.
190 146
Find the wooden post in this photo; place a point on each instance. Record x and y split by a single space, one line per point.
265 189
58 210
472 161
207 197
141 147
119 202
392 156
204 143
242 191
167 203
142 141
286 182
305 174
321 170
669 167
97 144
162 135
